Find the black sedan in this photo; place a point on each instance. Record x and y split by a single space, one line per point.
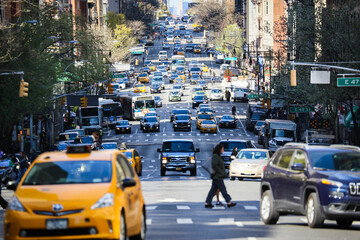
199 99
150 124
123 126
155 88
175 112
182 122
227 121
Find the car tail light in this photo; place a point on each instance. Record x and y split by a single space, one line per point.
264 168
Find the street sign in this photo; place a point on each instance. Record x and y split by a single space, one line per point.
230 59
301 109
348 82
256 96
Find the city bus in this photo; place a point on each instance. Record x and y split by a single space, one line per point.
135 105
90 119
111 112
177 61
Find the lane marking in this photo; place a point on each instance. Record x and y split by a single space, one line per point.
250 207
170 200
136 131
151 166
151 207
184 221
148 221
179 207
152 160
226 220
239 224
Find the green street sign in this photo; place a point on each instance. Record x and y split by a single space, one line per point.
348 82
115 76
256 96
230 59
301 109
137 52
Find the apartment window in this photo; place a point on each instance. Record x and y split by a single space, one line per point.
266 7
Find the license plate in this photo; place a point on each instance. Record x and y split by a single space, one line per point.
53 224
248 172
209 129
178 169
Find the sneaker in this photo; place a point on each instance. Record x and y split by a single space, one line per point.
209 206
231 205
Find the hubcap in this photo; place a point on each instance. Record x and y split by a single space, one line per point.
310 210
265 207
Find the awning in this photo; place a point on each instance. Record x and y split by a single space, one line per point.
348 122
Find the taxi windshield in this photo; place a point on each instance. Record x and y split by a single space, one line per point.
128 155
204 116
69 172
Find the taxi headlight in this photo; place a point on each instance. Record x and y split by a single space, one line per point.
192 159
105 201
16 205
164 160
131 162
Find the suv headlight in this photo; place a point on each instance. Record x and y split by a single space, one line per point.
192 159
16 205
105 201
331 182
164 160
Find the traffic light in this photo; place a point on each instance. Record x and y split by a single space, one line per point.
293 78
24 88
268 104
110 88
63 100
146 51
83 101
262 104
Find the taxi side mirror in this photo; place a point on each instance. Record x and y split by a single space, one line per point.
128 182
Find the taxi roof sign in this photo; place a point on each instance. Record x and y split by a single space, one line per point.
78 148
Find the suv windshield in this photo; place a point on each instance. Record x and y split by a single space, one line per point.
178 147
335 160
150 119
69 172
229 146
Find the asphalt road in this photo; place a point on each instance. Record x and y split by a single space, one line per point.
175 202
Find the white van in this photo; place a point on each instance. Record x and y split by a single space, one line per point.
163 55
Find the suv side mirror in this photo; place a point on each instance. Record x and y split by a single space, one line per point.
197 150
158 150
297 167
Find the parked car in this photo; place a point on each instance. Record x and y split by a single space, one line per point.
319 182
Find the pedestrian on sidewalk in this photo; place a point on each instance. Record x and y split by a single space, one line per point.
217 177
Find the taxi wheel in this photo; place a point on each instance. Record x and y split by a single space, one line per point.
142 234
232 178
123 234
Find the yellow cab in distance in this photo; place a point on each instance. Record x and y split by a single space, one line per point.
143 77
134 159
181 52
195 25
77 194
201 117
152 67
205 68
179 81
177 38
183 76
139 88
197 49
208 126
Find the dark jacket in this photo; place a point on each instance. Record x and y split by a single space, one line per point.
218 166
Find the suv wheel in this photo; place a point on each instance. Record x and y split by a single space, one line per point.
193 172
344 223
162 172
313 213
267 212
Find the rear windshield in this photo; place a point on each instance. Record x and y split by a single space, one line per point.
204 116
109 146
178 147
229 146
69 172
182 112
150 119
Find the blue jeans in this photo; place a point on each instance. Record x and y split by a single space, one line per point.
217 184
21 174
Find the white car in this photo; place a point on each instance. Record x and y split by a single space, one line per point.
163 55
170 38
216 94
249 163
178 87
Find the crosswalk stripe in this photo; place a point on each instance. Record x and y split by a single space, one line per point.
184 221
179 207
250 207
226 220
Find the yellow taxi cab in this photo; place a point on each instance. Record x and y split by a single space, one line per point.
143 77
77 194
202 117
134 160
182 75
197 49
152 67
195 25
179 81
205 68
197 29
139 88
181 52
208 126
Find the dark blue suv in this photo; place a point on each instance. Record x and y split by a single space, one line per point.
320 182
